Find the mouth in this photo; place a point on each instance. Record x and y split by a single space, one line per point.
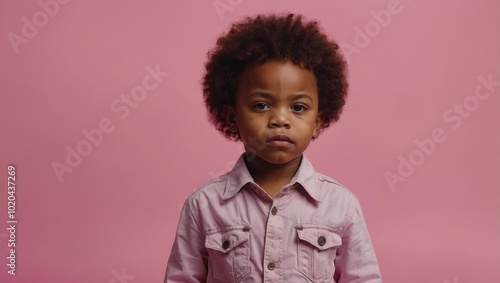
280 140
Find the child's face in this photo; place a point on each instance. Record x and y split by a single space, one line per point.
276 111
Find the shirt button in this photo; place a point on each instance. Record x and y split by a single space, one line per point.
271 266
246 228
274 210
321 241
225 245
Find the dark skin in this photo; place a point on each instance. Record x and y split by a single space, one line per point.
276 116
272 177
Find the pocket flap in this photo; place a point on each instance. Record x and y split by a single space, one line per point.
320 237
225 241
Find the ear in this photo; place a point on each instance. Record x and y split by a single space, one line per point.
317 125
230 117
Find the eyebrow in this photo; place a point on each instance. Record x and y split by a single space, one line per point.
297 96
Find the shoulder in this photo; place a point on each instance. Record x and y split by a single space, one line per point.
336 199
336 196
329 186
210 191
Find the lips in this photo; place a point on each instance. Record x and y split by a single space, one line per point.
279 139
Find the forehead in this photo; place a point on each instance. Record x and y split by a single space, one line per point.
275 75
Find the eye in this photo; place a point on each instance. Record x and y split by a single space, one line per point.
299 108
260 106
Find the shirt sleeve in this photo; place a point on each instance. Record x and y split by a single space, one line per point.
188 258
356 260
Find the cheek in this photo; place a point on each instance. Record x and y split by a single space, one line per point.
308 122
250 122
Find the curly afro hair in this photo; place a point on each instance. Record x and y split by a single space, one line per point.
256 40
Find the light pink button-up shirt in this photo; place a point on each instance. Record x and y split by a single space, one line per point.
313 230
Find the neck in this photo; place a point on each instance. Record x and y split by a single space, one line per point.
271 177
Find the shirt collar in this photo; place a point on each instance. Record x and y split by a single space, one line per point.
239 176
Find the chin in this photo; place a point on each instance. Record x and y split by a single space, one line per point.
279 158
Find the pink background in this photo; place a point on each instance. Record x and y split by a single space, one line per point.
114 216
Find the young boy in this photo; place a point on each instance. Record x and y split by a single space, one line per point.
273 83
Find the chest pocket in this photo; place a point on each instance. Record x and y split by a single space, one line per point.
316 251
229 253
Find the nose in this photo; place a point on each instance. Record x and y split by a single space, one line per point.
279 118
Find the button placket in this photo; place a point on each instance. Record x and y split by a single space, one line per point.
274 238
